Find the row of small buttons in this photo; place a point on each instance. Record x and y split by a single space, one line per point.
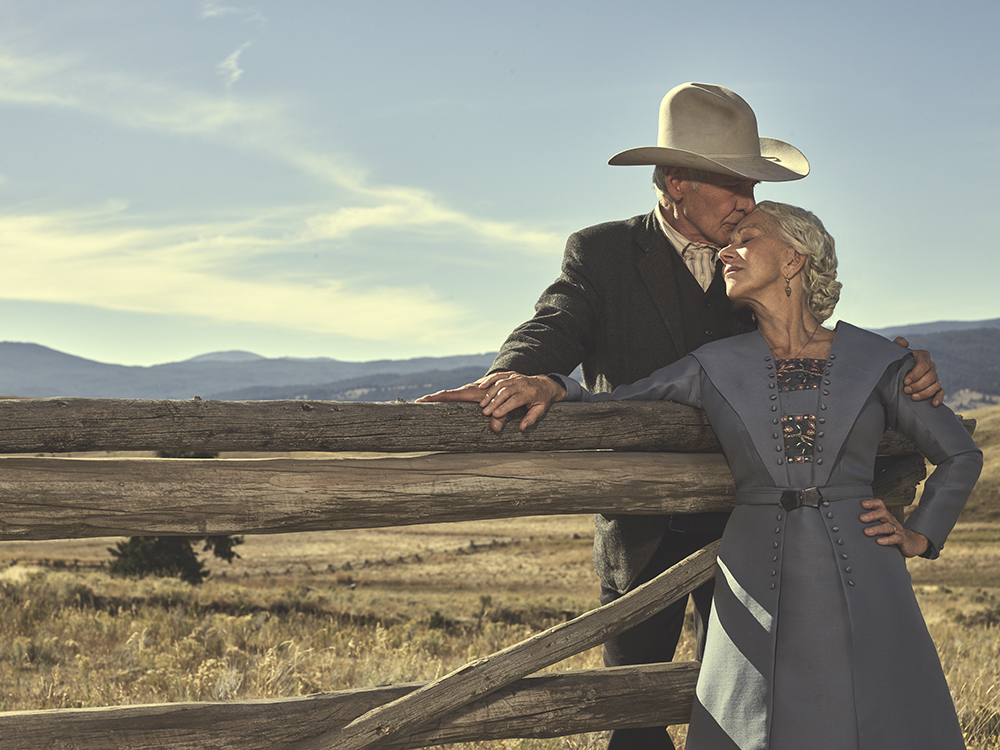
779 446
840 542
776 547
818 447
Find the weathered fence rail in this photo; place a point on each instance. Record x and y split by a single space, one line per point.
53 498
611 458
75 424
551 704
72 497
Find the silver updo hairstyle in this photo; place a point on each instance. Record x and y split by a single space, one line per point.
805 233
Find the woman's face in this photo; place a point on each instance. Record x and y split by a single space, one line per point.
756 261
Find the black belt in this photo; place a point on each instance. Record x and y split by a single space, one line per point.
809 497
792 499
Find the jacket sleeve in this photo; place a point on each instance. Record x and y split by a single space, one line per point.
680 382
566 315
945 442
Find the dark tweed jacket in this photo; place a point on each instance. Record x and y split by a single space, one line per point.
615 311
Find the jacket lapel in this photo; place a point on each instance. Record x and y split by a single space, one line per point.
857 361
738 368
655 266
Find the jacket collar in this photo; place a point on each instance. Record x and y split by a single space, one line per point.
655 267
738 368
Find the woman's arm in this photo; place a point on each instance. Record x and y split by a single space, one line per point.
680 382
502 392
945 442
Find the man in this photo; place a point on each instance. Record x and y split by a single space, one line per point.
639 294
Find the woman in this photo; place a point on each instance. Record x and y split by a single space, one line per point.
815 640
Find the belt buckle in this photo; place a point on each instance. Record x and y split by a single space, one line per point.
792 499
810 496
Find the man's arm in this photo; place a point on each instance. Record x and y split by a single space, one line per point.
556 339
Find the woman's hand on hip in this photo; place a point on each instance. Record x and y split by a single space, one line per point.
887 530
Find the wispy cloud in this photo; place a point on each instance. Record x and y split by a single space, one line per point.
249 14
94 258
230 67
111 258
261 126
26 81
127 100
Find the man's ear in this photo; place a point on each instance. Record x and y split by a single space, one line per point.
677 182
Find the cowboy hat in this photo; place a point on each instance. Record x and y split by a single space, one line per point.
709 127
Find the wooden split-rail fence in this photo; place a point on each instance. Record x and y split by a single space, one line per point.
616 457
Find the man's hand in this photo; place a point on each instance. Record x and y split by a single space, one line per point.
921 382
502 392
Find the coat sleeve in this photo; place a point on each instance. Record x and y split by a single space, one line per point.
945 442
562 329
681 382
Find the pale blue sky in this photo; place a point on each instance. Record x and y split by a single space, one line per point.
397 179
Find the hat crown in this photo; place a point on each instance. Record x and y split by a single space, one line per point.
708 127
707 119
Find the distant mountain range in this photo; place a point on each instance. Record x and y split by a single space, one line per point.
967 355
941 326
35 371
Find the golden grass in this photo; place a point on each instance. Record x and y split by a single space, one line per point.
72 640
965 626
984 505
84 639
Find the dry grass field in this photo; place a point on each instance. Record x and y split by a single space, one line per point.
314 612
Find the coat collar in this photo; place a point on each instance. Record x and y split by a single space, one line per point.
739 368
655 267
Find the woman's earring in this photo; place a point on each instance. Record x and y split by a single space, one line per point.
788 287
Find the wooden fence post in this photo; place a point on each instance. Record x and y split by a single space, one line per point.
381 726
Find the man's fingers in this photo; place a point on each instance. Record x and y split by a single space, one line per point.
466 393
536 412
928 387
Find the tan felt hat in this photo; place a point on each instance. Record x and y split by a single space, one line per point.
709 127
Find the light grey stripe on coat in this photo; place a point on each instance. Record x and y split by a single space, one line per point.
760 614
739 693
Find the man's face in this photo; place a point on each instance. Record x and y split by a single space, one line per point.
710 212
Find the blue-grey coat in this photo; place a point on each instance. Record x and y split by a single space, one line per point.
779 671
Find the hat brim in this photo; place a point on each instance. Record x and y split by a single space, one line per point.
778 162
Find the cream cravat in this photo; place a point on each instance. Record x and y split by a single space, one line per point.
700 260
